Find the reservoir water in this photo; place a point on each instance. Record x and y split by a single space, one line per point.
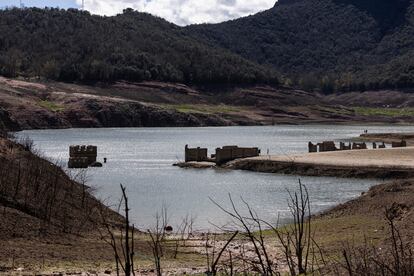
142 158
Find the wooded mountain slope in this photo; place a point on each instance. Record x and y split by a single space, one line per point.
327 45
75 46
331 44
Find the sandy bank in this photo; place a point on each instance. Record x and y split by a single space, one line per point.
388 137
379 163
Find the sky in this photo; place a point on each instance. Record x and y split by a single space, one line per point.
181 12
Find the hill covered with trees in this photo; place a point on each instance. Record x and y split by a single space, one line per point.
326 44
323 45
73 45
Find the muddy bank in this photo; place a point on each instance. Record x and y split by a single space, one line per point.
196 165
306 169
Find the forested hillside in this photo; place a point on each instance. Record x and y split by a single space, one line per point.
323 45
75 46
326 44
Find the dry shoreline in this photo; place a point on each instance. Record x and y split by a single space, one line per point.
379 163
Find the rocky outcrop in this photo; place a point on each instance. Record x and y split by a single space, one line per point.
93 113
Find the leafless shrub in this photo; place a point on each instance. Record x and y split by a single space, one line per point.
183 234
158 238
297 239
253 230
81 177
213 258
395 259
41 189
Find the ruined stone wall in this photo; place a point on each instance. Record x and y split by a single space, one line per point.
196 154
78 163
327 146
229 153
82 156
330 146
359 146
401 144
90 152
312 147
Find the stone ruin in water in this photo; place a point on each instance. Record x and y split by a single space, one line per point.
196 154
229 153
81 157
222 155
330 146
401 144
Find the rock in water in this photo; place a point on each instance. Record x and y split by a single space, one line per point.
96 165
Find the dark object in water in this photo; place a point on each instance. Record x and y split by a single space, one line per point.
81 157
401 144
96 165
168 228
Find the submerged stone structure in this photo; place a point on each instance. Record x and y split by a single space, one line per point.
229 153
312 147
359 146
343 146
221 156
401 144
330 146
195 154
327 146
81 157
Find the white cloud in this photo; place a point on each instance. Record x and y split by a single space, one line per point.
182 12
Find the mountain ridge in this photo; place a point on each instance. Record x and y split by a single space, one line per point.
331 44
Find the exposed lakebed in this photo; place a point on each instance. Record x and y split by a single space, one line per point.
142 158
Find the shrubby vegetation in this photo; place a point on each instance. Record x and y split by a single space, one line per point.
73 45
326 45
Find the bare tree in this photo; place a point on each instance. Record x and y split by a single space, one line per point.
297 239
253 230
302 253
395 259
183 233
158 235
213 260
122 245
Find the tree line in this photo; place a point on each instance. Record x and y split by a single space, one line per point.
326 45
73 45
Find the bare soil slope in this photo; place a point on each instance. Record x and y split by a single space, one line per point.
52 225
26 105
369 211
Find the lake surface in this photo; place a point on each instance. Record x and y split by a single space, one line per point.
142 158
